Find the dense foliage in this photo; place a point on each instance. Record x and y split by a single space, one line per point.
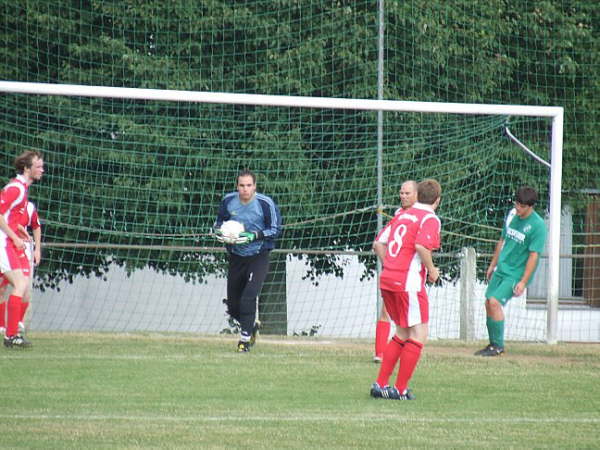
492 51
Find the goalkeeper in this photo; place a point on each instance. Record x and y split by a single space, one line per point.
513 264
248 253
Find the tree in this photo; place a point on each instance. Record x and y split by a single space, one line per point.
126 173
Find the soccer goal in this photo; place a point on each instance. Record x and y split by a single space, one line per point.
134 178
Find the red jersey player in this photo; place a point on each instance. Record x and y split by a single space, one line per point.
13 261
408 197
32 222
405 246
34 255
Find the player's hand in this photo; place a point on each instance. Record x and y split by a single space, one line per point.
218 235
519 289
245 237
490 272
223 239
23 234
433 275
19 243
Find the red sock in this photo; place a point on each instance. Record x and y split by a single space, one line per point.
410 358
3 314
14 315
382 334
24 306
391 355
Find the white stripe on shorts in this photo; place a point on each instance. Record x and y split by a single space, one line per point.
414 309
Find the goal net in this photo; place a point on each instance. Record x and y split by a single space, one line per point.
133 184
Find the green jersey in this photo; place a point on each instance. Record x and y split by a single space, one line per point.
521 236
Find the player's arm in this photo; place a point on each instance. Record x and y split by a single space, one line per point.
272 220
495 257
381 241
19 243
22 233
530 266
380 248
428 239
427 259
222 216
7 197
37 239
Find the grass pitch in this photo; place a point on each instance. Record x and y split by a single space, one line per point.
183 391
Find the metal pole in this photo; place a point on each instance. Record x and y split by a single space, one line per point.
468 278
380 80
554 232
75 90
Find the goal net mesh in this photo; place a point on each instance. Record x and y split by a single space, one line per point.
132 187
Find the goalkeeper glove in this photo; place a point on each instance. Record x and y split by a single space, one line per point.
245 237
222 239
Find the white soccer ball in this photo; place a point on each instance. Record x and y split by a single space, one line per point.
231 229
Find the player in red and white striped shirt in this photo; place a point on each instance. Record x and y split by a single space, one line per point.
13 261
405 246
408 197
33 252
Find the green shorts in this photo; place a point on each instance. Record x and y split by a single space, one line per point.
501 288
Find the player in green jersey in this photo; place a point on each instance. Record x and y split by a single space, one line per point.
514 262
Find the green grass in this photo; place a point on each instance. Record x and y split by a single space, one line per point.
168 391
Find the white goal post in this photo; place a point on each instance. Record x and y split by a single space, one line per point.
554 112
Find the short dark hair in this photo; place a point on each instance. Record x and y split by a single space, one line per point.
413 183
25 160
246 173
526 195
428 191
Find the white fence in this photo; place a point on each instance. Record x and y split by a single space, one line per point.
340 307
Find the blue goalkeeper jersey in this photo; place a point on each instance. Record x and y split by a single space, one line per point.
260 216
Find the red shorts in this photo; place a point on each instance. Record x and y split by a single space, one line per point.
13 259
406 309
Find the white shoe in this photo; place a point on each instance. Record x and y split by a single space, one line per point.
377 359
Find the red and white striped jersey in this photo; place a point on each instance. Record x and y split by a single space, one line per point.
33 223
403 269
13 205
31 218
